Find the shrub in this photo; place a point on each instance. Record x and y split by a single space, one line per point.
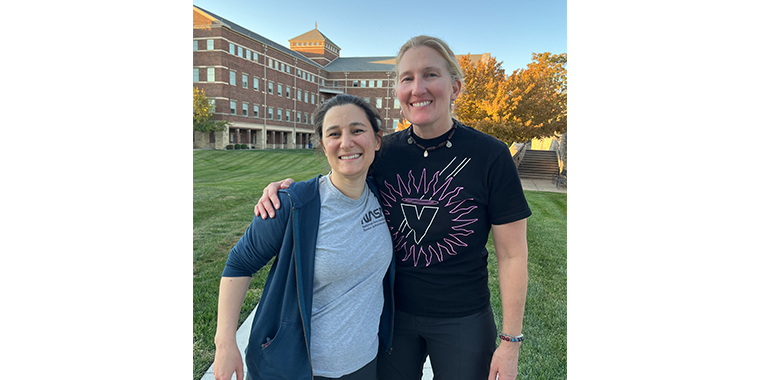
229 147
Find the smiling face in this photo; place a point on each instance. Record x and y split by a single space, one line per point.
425 90
349 143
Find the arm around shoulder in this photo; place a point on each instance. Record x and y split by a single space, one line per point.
269 201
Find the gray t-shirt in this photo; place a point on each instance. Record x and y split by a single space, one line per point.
354 249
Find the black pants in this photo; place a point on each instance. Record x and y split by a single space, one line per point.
368 372
459 348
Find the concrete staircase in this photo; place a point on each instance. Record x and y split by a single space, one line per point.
539 164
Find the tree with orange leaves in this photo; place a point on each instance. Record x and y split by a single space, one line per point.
402 124
530 103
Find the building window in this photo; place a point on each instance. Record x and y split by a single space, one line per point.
209 44
379 103
366 100
245 80
396 104
379 83
255 111
312 98
248 55
270 63
245 109
196 75
255 56
256 84
232 49
279 89
212 105
240 52
271 113
356 83
232 78
364 83
299 95
298 117
279 114
233 106
195 45
271 87
395 123
210 75
372 83
306 96
287 92
287 115
287 69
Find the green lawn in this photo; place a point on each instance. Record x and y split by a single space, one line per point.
227 184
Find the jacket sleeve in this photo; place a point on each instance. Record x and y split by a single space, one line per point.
261 241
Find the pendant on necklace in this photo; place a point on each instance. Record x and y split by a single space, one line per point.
425 154
448 144
410 141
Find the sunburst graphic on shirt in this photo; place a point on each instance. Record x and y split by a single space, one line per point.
422 202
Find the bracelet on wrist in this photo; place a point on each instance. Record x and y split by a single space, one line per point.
511 338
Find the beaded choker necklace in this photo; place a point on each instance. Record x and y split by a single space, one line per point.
448 144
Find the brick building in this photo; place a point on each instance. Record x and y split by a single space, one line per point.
269 92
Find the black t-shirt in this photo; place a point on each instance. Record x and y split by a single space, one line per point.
440 209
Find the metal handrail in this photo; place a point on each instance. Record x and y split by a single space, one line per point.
518 157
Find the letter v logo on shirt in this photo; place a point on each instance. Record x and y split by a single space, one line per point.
420 221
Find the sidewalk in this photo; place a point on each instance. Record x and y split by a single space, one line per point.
427 371
541 185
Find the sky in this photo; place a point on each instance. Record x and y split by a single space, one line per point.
510 30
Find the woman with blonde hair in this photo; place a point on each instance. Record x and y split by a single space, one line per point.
443 187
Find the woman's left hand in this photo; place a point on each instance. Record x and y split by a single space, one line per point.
504 361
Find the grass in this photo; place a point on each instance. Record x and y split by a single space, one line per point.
227 184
